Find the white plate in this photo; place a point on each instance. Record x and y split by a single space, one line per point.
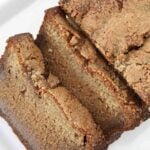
17 16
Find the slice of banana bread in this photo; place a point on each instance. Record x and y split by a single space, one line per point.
71 57
42 113
121 31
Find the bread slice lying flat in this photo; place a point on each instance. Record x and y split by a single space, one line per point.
121 32
71 57
44 114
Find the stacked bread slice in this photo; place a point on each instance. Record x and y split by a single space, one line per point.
71 57
60 93
43 113
121 32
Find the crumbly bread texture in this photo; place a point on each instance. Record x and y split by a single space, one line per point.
71 57
120 29
42 113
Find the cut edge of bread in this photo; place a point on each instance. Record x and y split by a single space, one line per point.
69 105
133 107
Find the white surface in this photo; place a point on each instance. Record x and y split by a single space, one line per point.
17 16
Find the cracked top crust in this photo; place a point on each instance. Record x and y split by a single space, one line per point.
120 29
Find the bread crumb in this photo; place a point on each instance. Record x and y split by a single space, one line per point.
149 109
53 81
88 52
73 41
50 50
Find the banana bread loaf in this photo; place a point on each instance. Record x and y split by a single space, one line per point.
121 32
44 114
71 57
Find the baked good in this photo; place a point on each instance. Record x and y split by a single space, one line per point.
42 112
72 98
70 56
121 32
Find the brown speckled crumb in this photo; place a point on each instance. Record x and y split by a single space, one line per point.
75 61
44 114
